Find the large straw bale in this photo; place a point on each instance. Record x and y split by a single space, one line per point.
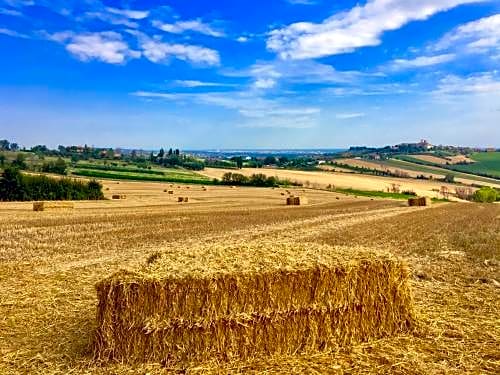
419 202
296 201
53 205
119 196
246 300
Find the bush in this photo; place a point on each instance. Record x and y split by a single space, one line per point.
17 187
57 167
486 195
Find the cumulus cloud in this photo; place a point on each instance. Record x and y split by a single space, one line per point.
180 27
157 51
362 26
242 39
129 13
483 83
107 46
480 36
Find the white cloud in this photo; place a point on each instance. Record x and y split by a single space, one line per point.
133 14
180 27
484 83
298 72
302 2
242 39
361 26
107 46
264 83
13 33
157 51
255 110
194 83
421 61
347 116
19 3
481 36
10 12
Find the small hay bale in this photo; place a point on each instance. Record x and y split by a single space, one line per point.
119 196
53 205
170 192
180 199
186 199
419 202
227 302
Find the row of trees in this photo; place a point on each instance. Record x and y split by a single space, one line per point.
260 180
15 186
5 145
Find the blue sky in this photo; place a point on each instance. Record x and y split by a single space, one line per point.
259 74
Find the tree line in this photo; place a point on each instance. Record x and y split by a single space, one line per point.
15 186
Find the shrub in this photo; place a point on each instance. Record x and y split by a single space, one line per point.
485 195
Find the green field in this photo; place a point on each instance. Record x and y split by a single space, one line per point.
408 162
168 175
380 194
485 163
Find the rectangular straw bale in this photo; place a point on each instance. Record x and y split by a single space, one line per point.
419 202
237 303
53 205
296 201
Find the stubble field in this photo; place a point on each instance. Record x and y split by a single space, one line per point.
50 262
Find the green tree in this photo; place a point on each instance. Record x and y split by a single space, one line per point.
19 161
4 145
2 160
11 185
450 178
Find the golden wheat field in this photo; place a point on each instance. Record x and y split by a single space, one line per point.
321 179
446 256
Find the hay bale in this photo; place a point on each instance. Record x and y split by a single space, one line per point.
119 196
419 202
182 199
186 199
170 192
53 205
296 201
234 302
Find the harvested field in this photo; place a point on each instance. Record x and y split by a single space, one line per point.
444 160
381 166
51 262
345 180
